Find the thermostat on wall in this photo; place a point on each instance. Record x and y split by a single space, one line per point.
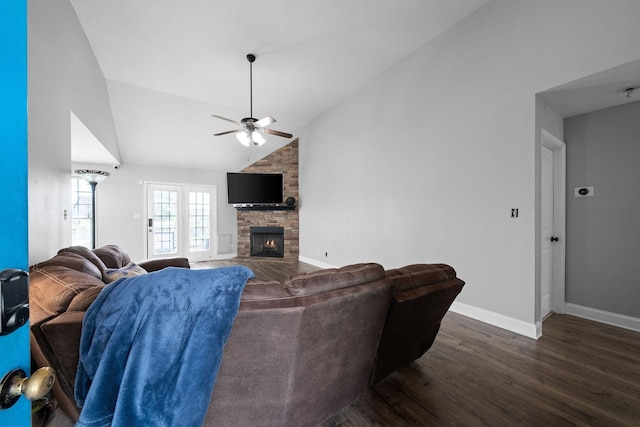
583 191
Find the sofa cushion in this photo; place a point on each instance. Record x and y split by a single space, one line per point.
87 254
333 278
130 270
72 261
52 287
256 290
83 300
414 275
112 256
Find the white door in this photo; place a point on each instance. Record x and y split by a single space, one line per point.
181 221
546 227
552 224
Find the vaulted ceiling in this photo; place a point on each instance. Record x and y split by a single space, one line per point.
170 65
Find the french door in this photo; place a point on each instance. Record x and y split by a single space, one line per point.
181 221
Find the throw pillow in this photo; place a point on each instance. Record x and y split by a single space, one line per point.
130 270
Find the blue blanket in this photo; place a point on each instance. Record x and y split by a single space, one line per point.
151 347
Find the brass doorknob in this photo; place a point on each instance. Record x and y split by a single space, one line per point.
16 383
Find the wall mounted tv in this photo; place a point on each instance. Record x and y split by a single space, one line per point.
254 188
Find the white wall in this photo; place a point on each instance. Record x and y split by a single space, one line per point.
121 195
63 76
425 164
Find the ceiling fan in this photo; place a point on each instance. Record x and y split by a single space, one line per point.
251 129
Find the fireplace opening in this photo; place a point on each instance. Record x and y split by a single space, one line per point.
267 241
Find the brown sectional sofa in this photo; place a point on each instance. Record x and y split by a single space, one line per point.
298 352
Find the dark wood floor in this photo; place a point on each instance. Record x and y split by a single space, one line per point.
578 373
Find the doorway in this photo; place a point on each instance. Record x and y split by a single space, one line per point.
552 224
181 221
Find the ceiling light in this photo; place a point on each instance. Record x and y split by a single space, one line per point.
244 138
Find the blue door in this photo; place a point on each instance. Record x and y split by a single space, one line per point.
14 253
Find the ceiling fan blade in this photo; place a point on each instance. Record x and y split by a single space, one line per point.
224 118
278 133
227 132
264 122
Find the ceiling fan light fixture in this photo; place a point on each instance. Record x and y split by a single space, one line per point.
251 128
244 138
257 138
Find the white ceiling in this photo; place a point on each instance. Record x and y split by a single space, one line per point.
170 64
595 92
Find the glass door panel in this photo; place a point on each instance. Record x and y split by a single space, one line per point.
181 221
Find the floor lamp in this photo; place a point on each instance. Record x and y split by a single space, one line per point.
93 177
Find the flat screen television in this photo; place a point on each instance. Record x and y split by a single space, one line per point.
254 188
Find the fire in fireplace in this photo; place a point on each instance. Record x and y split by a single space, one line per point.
267 241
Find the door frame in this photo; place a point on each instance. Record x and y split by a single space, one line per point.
559 149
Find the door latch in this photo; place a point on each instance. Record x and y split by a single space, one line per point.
16 384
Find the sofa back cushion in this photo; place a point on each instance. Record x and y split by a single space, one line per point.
333 278
414 275
73 261
112 256
87 254
52 287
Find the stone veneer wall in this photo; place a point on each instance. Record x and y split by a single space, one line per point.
284 161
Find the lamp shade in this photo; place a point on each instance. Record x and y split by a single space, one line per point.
92 176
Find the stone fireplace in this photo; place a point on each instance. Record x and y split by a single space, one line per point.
267 241
285 161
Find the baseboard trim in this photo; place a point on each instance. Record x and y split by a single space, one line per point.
226 256
315 262
614 319
529 330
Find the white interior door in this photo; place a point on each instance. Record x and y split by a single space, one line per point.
181 221
552 224
546 226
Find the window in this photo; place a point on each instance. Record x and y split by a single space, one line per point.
81 211
199 220
165 222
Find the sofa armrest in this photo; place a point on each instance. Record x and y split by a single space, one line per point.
412 325
159 264
56 343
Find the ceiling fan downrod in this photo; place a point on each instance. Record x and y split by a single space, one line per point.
251 58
